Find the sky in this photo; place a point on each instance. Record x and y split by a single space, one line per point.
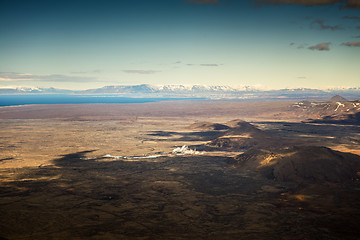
267 44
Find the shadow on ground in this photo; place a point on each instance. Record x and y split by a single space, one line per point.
186 136
198 197
326 134
342 119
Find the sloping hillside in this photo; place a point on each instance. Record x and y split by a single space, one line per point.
208 126
302 164
237 135
337 108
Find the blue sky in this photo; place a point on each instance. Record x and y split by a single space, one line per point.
264 43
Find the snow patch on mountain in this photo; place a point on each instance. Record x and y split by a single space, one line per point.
197 91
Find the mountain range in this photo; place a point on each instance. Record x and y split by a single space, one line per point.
196 91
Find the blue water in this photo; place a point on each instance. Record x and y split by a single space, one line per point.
13 100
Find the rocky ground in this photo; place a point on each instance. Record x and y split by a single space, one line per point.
291 182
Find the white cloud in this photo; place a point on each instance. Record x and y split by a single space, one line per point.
141 71
14 76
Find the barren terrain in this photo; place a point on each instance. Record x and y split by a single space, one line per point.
107 171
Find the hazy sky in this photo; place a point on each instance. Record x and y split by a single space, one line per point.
264 43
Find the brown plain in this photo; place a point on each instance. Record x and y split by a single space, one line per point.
57 184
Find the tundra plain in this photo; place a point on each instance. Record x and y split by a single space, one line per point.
107 171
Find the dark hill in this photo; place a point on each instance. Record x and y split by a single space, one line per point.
338 98
238 127
302 164
239 123
243 135
208 126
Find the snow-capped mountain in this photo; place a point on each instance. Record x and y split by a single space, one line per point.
34 90
166 90
220 92
197 91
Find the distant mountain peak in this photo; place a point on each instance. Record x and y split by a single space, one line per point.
338 98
